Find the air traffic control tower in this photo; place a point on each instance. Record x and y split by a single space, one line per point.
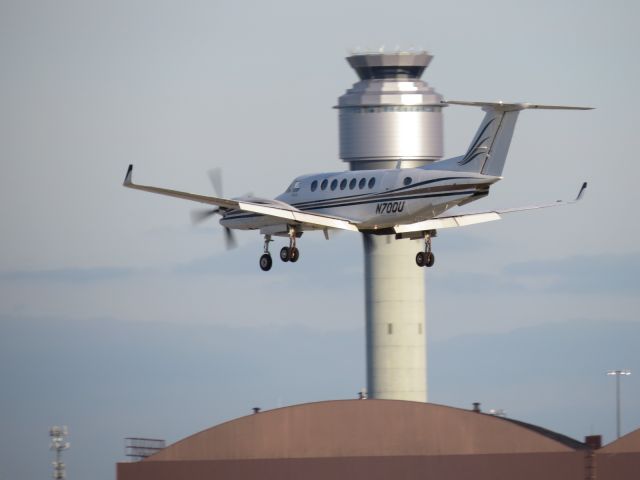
390 118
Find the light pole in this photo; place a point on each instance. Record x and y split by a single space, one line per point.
59 444
617 374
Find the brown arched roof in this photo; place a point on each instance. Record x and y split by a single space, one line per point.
358 428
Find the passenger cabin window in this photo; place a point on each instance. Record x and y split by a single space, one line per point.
372 182
363 182
343 184
352 184
334 184
314 185
407 181
323 185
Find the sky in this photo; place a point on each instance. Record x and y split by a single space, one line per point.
97 281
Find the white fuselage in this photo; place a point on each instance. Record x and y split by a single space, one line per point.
375 199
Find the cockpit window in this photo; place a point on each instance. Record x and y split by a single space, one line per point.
294 187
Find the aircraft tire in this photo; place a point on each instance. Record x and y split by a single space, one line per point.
430 260
284 254
294 254
420 258
266 262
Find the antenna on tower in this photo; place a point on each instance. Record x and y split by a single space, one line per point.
59 444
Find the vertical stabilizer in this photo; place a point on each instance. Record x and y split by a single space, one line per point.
490 146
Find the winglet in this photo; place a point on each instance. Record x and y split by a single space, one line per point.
581 192
127 179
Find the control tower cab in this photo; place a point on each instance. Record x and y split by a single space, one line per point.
390 115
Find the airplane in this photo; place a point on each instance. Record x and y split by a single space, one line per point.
405 202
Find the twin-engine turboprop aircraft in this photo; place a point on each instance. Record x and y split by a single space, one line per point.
408 202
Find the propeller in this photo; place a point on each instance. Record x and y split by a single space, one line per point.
229 239
199 216
215 177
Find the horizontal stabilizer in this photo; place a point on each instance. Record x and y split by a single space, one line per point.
509 107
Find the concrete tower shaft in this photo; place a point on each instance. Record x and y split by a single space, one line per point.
391 115
395 319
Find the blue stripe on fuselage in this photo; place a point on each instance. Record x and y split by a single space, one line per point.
373 198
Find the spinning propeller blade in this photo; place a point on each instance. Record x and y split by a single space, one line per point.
199 216
229 239
215 176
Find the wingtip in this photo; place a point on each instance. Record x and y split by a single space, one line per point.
581 192
127 178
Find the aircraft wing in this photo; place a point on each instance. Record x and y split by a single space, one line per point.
278 210
220 202
295 215
480 217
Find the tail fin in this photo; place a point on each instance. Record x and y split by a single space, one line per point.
488 150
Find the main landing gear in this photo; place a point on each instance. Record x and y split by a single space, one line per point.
287 254
290 253
426 258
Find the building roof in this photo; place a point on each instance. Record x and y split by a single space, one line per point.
359 428
629 443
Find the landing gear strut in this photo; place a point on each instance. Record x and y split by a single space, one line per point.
290 253
265 259
426 258
287 254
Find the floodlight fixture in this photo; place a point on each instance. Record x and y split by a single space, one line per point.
498 412
618 373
